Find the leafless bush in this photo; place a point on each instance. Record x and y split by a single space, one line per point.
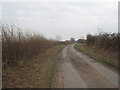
104 40
90 39
17 46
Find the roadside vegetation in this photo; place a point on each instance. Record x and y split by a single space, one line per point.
103 47
28 59
36 72
18 45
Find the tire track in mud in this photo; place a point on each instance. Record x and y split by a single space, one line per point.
77 71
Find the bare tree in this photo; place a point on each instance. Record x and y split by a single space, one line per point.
58 38
72 39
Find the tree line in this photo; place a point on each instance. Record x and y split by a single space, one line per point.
104 40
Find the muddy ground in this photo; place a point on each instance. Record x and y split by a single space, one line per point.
76 70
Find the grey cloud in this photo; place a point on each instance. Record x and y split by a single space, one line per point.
65 18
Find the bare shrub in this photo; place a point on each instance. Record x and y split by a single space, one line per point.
105 40
17 46
90 39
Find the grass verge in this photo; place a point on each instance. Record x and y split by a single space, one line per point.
107 57
34 73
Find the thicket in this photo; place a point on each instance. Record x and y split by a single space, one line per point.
18 45
105 40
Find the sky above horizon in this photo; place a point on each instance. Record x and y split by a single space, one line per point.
64 18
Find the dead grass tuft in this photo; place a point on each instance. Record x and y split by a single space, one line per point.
33 73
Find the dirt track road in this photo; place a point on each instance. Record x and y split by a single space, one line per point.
76 70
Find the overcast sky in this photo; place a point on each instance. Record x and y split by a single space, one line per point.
74 18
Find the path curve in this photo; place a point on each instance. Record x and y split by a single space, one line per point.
77 70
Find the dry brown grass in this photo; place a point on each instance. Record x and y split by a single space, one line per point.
104 47
36 72
28 59
105 56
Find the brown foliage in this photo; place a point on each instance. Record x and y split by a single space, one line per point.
104 40
17 45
